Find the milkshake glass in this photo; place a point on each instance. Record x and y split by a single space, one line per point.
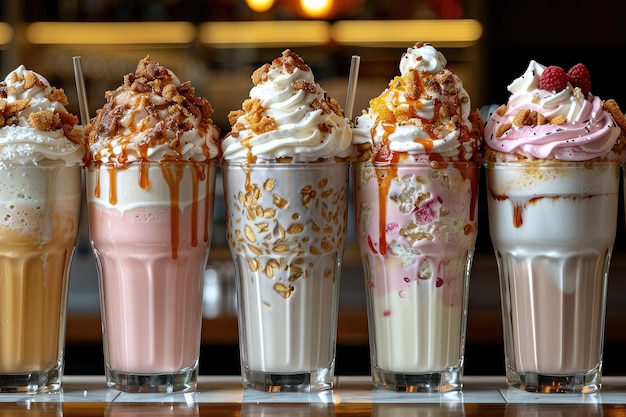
416 228
39 212
41 151
553 225
150 227
286 229
152 155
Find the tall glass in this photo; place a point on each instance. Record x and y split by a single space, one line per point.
416 227
39 213
553 226
286 228
150 226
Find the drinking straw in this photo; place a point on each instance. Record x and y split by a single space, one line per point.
352 80
80 89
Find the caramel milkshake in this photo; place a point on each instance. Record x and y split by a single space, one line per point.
553 155
41 146
150 189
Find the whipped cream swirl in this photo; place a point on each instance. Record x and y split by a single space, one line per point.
288 117
153 117
35 126
424 114
576 127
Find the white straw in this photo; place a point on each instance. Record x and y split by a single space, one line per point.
80 89
352 80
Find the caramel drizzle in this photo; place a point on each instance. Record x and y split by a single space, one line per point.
518 208
173 173
173 177
471 173
112 186
387 156
207 200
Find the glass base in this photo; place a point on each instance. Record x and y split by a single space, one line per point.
583 383
445 381
184 380
33 382
318 380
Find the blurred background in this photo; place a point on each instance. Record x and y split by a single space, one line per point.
217 44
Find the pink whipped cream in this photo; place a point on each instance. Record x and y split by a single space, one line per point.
576 126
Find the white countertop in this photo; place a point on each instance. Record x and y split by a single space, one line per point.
348 389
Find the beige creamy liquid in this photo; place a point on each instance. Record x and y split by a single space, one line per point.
34 270
553 234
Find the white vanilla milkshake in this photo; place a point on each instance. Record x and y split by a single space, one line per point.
286 191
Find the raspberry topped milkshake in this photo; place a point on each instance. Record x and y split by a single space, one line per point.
552 161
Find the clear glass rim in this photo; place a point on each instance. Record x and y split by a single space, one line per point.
103 165
307 165
429 164
548 164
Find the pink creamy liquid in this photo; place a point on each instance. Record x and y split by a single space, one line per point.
416 229
556 330
152 260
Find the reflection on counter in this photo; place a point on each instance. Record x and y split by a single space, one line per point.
304 409
165 409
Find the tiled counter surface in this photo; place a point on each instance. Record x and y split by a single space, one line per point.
348 389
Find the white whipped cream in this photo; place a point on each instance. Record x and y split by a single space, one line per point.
423 58
142 125
417 126
20 143
296 133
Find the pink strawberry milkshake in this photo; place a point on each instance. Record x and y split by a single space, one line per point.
553 155
416 191
150 188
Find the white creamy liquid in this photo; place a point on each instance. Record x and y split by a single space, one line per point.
416 331
286 227
553 234
290 335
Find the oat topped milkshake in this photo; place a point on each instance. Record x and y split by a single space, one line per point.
286 190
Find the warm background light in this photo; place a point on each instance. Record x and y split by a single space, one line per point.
316 8
264 33
6 33
457 33
260 6
110 33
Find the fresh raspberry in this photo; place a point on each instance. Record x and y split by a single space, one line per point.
578 76
553 79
